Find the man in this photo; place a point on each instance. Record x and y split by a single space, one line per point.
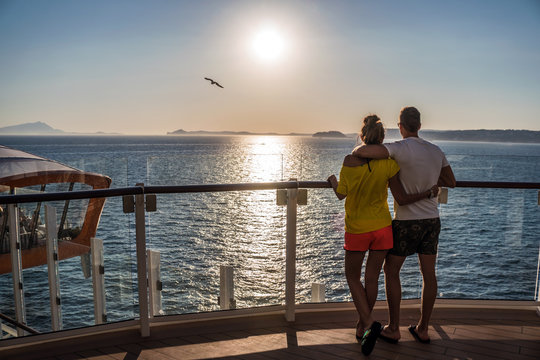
415 226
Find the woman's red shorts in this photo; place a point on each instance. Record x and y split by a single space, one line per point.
374 240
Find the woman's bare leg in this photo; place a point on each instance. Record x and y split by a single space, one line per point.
353 273
374 264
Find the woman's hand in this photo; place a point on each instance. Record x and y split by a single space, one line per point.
434 191
333 181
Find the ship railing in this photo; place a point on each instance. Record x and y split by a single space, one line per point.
142 199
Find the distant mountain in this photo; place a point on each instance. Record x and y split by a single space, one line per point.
334 134
40 128
36 128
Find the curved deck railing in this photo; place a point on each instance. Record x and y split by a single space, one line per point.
170 189
139 191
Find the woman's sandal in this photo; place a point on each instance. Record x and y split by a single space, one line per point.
370 338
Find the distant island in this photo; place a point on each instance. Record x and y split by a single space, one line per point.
503 136
333 134
205 132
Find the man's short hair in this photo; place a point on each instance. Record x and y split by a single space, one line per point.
410 119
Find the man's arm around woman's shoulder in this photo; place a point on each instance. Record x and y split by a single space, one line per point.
374 151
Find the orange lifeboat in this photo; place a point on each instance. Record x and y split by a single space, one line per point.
19 171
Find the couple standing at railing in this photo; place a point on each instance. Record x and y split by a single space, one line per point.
414 169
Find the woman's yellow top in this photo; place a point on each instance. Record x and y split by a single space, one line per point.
366 205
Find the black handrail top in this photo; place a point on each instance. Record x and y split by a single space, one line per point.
171 189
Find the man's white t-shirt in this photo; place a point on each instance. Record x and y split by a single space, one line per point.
420 165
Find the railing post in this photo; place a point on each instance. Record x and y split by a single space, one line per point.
98 280
226 288
154 282
317 293
140 235
290 259
16 266
52 267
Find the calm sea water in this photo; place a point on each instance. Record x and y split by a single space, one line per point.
488 249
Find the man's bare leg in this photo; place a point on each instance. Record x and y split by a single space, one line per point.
392 267
429 293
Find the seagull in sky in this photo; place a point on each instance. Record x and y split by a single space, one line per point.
212 82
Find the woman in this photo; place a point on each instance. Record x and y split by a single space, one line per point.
368 224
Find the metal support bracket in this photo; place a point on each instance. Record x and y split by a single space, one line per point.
442 198
281 197
150 203
128 202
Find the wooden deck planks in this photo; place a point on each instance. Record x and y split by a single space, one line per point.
456 334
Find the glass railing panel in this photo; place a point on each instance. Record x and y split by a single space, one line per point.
489 244
477 161
196 233
117 230
320 251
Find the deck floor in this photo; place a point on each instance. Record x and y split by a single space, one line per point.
475 333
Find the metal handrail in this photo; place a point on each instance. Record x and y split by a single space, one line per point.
170 189
498 184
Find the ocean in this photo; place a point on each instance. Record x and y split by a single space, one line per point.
488 248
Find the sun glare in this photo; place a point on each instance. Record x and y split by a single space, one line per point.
268 44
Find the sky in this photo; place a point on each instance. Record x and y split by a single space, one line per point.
138 67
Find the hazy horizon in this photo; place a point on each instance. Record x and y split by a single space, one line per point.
138 68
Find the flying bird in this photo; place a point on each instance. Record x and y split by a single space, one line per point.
212 82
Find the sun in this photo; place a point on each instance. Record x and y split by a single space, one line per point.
268 44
